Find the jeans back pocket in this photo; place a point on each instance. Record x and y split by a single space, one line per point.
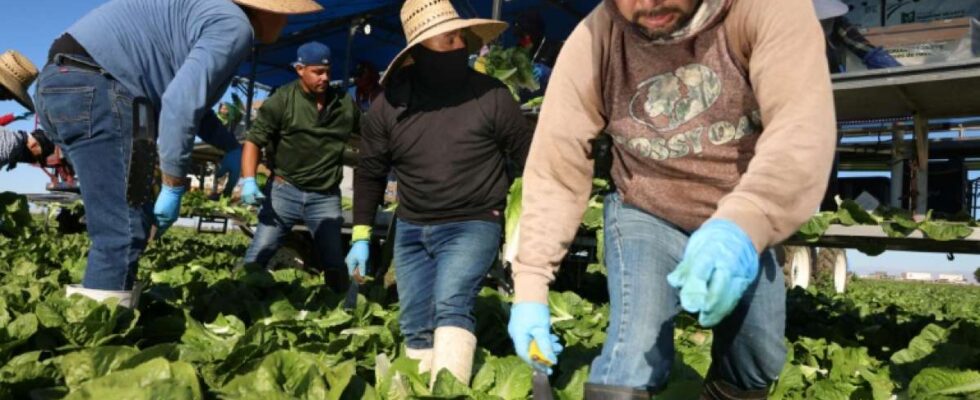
69 111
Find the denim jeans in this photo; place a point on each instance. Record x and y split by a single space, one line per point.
287 205
439 269
90 116
641 249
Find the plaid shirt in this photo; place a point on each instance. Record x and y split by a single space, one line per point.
844 36
12 146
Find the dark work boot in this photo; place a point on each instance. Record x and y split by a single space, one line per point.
595 391
721 390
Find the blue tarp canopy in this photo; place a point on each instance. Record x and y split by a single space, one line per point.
333 25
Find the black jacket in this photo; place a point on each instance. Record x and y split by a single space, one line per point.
449 148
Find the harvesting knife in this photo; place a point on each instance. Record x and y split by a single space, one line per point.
540 385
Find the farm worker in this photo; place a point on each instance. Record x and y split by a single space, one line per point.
529 29
723 132
308 124
843 36
178 55
366 87
448 132
16 75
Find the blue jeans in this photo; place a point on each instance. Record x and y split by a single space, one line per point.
439 269
90 116
641 249
287 205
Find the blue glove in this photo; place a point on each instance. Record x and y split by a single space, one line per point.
719 263
532 321
251 194
541 73
879 58
231 164
167 207
357 258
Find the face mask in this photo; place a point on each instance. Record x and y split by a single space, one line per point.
440 68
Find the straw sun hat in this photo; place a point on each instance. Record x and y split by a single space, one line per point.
424 19
283 6
16 75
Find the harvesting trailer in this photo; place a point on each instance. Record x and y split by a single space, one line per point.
886 108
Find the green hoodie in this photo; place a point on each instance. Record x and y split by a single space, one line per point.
308 145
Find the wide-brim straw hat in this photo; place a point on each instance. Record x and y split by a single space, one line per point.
829 8
17 73
283 6
424 19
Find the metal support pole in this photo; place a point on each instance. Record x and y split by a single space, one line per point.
250 95
921 164
898 168
214 180
354 25
497 6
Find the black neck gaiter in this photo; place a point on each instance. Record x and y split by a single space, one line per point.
440 69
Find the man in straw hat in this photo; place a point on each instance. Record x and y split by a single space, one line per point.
178 55
308 124
723 131
447 131
16 75
842 37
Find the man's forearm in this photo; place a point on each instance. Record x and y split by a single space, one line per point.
250 159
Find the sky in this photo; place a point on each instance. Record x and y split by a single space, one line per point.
32 25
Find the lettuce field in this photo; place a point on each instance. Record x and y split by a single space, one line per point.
207 327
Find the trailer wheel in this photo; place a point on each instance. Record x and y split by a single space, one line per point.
832 266
797 266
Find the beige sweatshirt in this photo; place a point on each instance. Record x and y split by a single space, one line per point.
732 119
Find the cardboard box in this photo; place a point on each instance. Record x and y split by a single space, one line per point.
864 13
918 11
924 43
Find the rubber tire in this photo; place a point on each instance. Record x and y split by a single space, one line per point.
798 266
832 262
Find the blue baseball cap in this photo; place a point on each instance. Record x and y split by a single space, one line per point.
313 53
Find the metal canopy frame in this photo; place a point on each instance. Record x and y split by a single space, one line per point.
941 90
871 236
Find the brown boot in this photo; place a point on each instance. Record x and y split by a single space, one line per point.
594 391
721 390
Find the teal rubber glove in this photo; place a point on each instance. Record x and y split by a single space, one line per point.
167 207
357 258
719 263
532 321
251 194
231 164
